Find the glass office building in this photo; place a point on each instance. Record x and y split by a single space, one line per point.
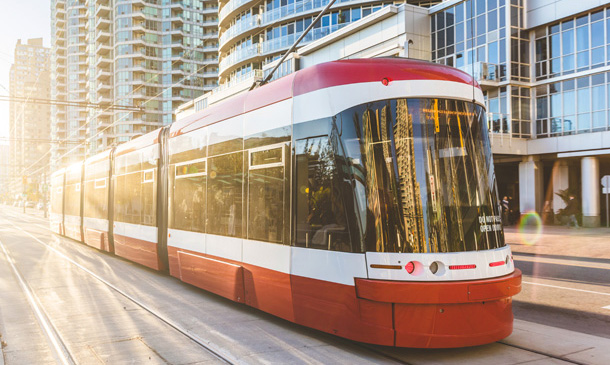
544 69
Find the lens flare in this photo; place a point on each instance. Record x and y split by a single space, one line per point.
530 228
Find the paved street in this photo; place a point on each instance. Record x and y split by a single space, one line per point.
566 277
91 322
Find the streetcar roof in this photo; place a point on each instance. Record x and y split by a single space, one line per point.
74 166
58 172
135 144
99 157
268 94
321 76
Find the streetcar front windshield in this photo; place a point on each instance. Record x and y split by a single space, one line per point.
411 175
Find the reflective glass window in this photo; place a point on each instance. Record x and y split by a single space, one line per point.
584 100
57 189
582 60
225 178
96 187
459 32
320 215
555 46
599 120
135 189
72 196
187 181
556 105
584 122
567 42
267 193
400 175
569 102
480 6
492 20
597 56
568 63
459 12
582 38
481 25
597 34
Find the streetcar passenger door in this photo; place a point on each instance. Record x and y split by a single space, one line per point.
319 213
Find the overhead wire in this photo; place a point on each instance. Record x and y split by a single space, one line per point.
117 120
114 122
57 102
85 125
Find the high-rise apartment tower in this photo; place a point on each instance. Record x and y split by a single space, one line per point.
146 55
29 126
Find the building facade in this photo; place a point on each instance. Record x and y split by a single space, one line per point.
5 172
543 65
252 34
68 68
29 127
129 64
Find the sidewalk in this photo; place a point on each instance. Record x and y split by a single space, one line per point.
560 241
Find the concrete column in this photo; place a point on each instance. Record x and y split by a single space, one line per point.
591 186
561 181
530 185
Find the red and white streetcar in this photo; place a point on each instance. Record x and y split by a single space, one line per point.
355 197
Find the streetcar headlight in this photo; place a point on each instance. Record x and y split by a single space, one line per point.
437 268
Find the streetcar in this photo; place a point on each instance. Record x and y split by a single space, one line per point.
356 197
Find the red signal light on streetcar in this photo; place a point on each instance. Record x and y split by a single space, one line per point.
410 267
462 267
496 263
385 81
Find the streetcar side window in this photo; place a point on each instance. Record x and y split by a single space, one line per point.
128 189
225 178
266 193
187 181
148 168
56 194
72 196
189 195
268 184
96 189
136 197
320 212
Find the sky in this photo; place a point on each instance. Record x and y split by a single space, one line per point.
19 19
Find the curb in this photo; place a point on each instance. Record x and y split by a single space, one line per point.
572 346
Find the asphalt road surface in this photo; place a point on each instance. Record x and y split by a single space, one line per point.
63 302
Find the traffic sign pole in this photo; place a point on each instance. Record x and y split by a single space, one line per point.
606 190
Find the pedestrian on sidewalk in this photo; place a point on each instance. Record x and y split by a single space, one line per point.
505 210
571 211
547 213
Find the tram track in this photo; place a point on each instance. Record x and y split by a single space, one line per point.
561 358
56 342
397 357
59 347
393 355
